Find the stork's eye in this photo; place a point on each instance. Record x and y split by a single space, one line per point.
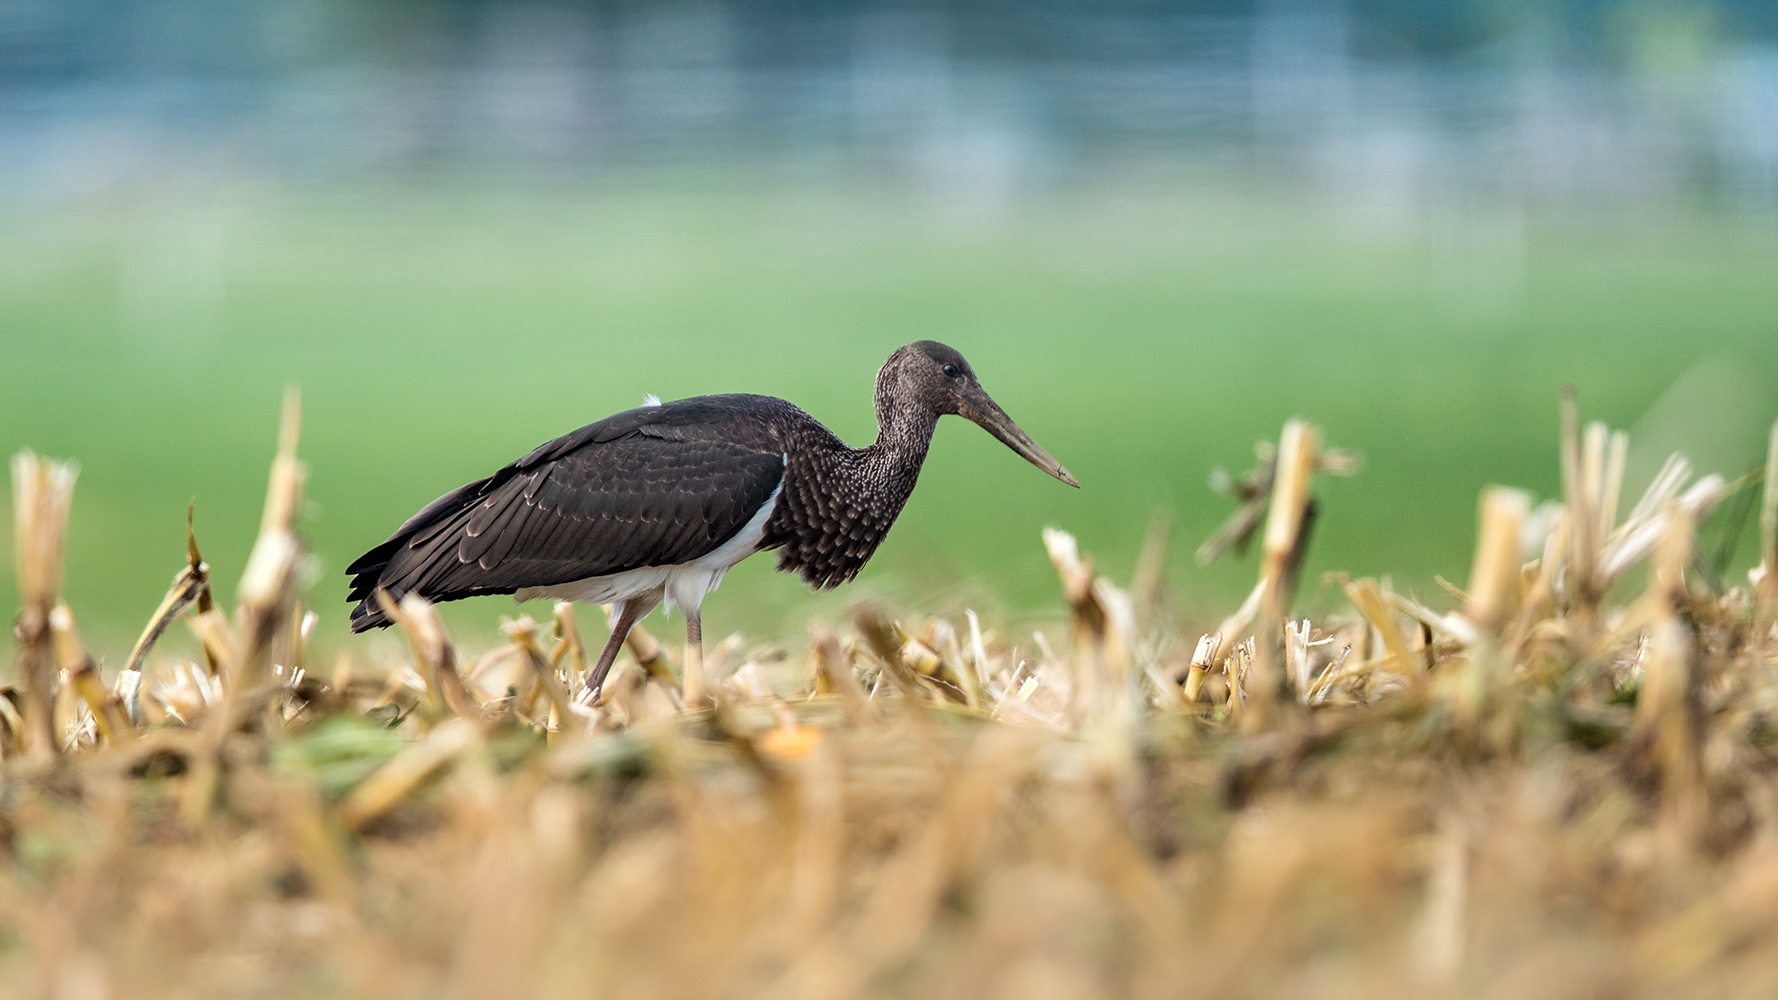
952 371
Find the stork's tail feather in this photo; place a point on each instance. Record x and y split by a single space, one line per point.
365 617
367 573
371 571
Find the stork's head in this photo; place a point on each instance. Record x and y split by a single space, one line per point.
930 376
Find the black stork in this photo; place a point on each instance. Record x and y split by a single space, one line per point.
653 505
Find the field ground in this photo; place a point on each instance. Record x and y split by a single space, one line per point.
1144 334
1560 787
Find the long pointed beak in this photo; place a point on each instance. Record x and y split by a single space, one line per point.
994 420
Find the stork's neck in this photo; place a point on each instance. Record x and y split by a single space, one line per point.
838 502
904 433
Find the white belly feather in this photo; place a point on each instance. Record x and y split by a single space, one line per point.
682 585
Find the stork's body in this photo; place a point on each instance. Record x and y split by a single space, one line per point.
654 505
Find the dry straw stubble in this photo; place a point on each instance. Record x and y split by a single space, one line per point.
1560 785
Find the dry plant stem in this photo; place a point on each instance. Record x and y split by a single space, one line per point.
215 636
1597 550
299 654
1369 602
1254 491
1493 599
978 651
879 636
435 656
267 590
1239 668
1592 470
524 635
204 765
1202 660
954 670
1612 487
1087 620
204 601
1236 624
1667 709
1455 626
1539 598
283 499
42 491
1296 657
1494 576
1583 529
558 651
834 674
83 674
919 657
190 585
1286 538
523 702
1103 697
36 665
1642 534
570 632
1102 626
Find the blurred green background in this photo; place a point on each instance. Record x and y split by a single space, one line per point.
1146 302
1144 336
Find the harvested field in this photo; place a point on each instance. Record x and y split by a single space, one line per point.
1559 782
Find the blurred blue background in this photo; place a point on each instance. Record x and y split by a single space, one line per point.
1157 230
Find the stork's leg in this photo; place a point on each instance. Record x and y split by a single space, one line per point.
628 613
694 658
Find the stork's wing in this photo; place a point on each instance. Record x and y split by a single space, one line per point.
649 487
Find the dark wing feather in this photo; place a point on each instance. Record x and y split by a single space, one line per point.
648 487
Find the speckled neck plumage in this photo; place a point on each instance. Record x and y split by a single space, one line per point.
838 503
